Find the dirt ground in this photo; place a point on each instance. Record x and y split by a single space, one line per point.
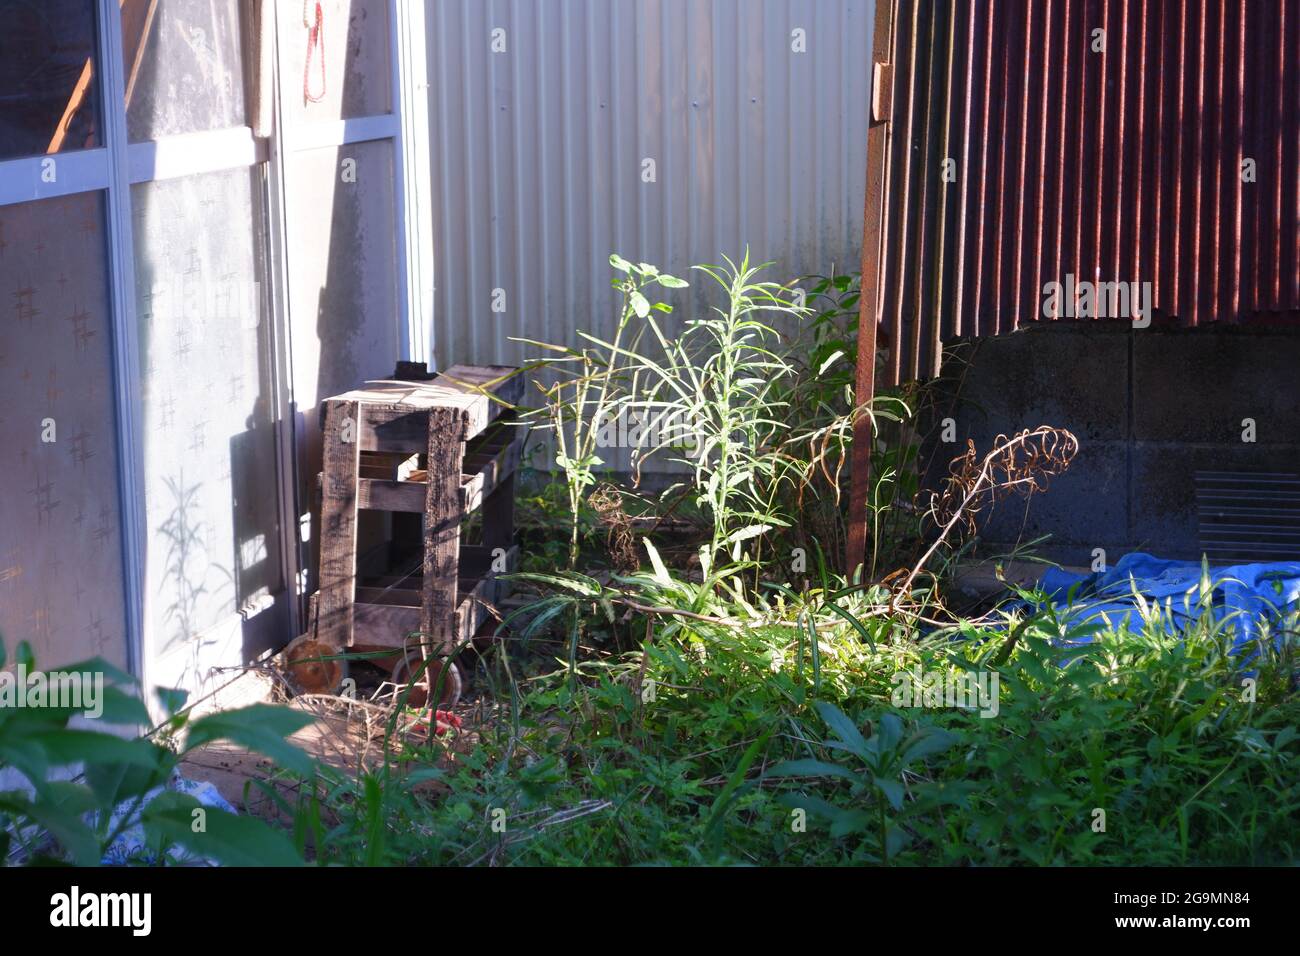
347 735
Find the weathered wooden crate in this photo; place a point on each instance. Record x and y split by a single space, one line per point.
441 448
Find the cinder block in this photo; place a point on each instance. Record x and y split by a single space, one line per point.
1067 375
1191 391
1199 385
1086 506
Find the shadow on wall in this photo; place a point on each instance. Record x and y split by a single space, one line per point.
1152 408
346 265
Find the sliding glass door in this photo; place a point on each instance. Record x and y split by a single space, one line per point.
63 580
195 248
214 569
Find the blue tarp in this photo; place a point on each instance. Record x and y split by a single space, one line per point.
131 845
1251 593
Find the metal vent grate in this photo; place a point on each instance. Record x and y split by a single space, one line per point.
1248 516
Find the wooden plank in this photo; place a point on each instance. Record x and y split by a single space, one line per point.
382 625
393 428
392 625
477 561
870 310
482 393
495 437
338 548
407 496
491 469
407 582
391 617
402 496
389 466
391 596
414 582
473 612
442 517
498 381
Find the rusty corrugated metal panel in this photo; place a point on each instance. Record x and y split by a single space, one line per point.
1119 164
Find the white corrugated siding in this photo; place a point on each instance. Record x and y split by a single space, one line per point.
537 152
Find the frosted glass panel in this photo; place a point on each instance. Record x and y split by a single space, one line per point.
184 66
213 545
347 70
49 77
60 531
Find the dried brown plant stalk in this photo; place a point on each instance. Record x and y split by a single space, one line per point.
608 505
1023 464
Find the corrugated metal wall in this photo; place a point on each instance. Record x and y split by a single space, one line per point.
538 151
1118 165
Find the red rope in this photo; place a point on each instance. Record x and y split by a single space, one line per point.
315 41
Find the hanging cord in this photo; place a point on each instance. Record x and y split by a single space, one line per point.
315 41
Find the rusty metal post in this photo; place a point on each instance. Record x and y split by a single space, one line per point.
868 303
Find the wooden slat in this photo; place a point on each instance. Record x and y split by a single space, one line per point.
442 517
391 617
492 469
482 471
394 427
388 466
338 553
499 514
401 496
381 625
472 612
390 596
476 561
498 380
393 409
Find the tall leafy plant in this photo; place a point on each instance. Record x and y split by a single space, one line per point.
712 392
590 383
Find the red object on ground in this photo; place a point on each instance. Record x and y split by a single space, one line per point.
445 721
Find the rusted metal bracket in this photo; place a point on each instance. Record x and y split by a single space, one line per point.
882 92
868 303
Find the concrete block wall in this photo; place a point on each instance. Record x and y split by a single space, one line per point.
1150 408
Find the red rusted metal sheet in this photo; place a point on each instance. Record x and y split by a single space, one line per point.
1112 156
